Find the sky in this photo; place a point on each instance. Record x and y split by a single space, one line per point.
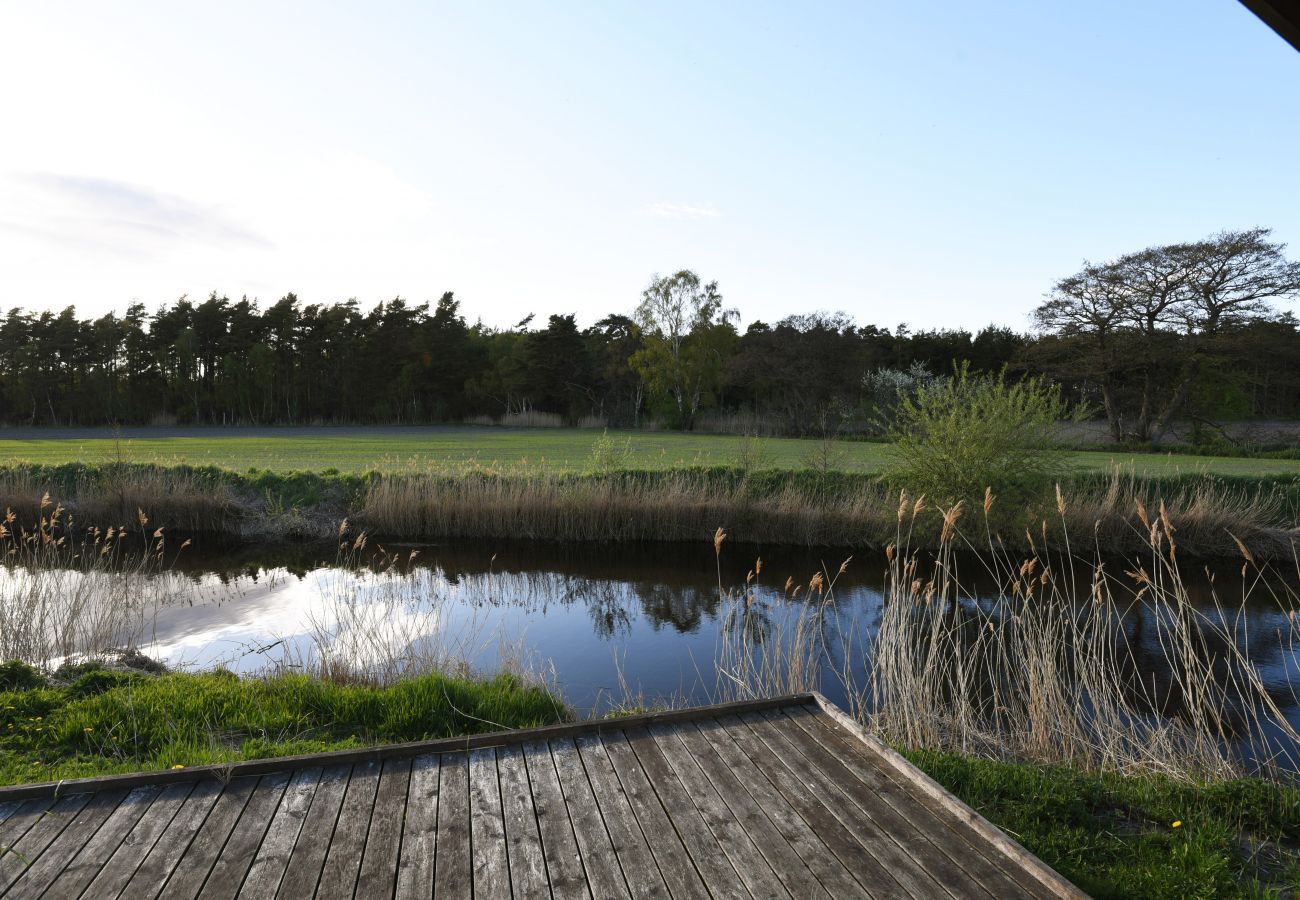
936 164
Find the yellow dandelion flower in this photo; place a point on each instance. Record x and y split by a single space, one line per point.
1177 823
178 766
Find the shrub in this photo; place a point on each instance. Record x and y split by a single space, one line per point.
957 436
609 454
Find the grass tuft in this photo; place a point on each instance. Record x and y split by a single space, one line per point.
108 722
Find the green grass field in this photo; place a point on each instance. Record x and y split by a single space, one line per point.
452 448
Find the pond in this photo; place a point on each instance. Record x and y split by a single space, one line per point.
610 624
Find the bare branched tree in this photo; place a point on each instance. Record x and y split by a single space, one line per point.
1162 310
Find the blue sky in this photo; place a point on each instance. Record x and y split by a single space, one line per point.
934 164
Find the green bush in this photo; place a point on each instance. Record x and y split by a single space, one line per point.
957 436
609 454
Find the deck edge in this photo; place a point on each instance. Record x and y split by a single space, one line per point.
1051 879
227 771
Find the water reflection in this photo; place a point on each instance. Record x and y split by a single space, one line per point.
648 616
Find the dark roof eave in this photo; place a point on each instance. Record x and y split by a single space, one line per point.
1283 16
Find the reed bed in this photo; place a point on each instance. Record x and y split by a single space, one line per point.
607 501
807 508
772 646
1050 668
67 592
673 506
378 620
1212 517
178 498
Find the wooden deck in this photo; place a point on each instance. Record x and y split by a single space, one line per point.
777 798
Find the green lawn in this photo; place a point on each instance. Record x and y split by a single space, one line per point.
451 448
1138 835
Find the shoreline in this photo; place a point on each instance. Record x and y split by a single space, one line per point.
797 508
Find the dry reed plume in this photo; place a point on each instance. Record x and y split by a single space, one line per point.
110 494
617 507
1056 667
1058 671
67 591
688 504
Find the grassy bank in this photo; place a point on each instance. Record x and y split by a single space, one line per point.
1137 836
102 721
1112 835
808 507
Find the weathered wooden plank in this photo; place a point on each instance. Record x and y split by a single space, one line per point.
453 874
28 849
236 857
604 875
227 771
559 844
523 840
56 857
634 856
8 808
154 872
487 826
710 859
338 878
72 881
675 862
191 872
891 838
378 876
981 862
767 803
20 820
740 811
953 835
308 856
272 856
419 831
814 805
119 868
807 843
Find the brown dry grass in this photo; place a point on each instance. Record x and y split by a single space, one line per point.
67 590
679 506
1210 518
688 505
111 495
1065 663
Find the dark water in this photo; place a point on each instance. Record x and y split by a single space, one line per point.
612 620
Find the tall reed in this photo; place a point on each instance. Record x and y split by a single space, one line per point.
1054 665
1052 669
808 507
772 645
177 497
67 591
618 506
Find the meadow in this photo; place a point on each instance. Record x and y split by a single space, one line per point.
450 449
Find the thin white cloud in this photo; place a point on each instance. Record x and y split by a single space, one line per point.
85 210
684 211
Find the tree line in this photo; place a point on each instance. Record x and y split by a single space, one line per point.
1184 330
